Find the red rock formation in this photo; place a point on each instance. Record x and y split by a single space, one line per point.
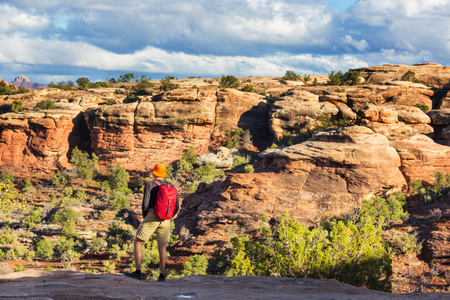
35 142
140 135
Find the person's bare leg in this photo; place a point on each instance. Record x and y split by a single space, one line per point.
138 252
162 257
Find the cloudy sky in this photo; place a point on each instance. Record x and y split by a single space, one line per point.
51 40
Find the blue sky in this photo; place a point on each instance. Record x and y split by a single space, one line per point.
51 40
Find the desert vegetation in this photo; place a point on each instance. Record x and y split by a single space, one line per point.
357 248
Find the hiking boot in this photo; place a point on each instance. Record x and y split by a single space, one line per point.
135 275
161 277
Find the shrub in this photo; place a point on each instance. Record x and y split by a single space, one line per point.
292 250
423 107
19 268
249 169
110 102
16 106
234 138
8 198
196 265
44 249
119 202
166 85
118 178
136 184
97 244
27 185
229 81
335 78
34 218
249 88
386 210
45 104
291 76
409 76
352 77
83 82
108 267
7 177
66 214
84 164
58 180
405 243
433 193
68 257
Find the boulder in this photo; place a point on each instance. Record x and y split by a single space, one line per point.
222 157
421 157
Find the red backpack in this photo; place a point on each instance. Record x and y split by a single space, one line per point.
166 201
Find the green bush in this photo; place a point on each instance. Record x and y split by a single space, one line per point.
423 107
119 201
229 81
196 265
291 76
136 184
68 257
405 243
97 244
292 250
8 198
19 268
45 104
386 210
34 218
27 185
110 102
433 193
352 77
7 177
6 89
16 106
59 180
166 85
83 82
234 138
249 88
335 78
409 76
85 165
44 249
108 267
67 217
118 178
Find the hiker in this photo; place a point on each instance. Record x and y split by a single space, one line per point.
151 223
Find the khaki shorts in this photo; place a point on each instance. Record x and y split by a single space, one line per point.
151 224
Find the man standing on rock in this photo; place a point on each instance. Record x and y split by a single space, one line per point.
153 223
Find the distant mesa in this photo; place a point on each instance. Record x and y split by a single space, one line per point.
26 83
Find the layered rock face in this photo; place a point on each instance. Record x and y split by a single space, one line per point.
138 135
33 142
431 74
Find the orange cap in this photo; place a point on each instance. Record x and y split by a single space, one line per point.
159 170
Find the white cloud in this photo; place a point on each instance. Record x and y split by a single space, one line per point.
12 19
359 45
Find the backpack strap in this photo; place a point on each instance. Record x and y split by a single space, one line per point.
159 183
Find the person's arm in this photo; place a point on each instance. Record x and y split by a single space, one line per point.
146 198
177 208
